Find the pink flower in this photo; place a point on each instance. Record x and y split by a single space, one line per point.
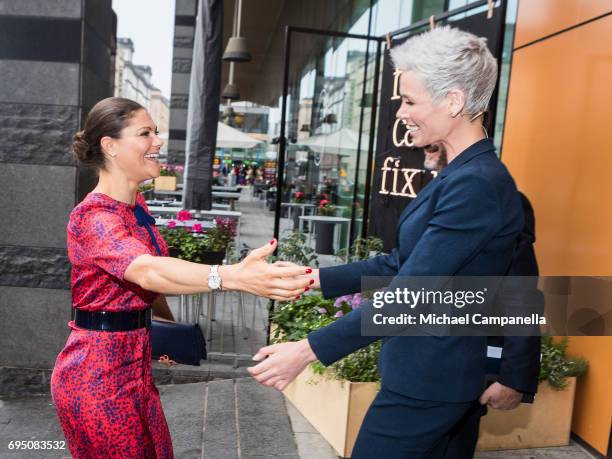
322 311
339 314
179 168
197 228
171 224
183 215
323 202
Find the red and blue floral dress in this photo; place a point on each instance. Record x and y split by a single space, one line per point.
102 384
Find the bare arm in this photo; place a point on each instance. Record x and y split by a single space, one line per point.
253 275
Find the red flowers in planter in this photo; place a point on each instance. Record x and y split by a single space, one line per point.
184 215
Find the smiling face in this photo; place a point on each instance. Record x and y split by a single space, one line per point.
429 122
135 152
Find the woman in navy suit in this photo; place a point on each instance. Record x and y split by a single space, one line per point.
464 223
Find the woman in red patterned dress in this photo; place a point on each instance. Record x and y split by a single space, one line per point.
102 384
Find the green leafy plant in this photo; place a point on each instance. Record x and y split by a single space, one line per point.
221 236
292 247
556 366
190 245
293 321
360 366
362 249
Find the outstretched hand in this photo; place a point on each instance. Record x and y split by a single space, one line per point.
255 275
283 362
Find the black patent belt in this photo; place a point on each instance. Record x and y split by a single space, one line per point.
113 321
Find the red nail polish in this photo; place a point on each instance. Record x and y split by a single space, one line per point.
308 270
297 297
311 281
306 289
272 242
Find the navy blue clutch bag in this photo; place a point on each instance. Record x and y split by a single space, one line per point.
183 343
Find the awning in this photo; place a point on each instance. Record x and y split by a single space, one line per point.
343 141
228 137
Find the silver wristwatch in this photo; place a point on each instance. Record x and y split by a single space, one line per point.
214 279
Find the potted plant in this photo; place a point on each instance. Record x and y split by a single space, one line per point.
192 244
217 240
333 399
546 422
298 196
167 177
325 230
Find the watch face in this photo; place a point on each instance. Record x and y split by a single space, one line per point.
214 282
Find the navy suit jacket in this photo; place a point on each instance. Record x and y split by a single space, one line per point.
465 222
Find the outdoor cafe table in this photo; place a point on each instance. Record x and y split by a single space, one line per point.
231 197
230 189
177 193
301 205
206 224
324 219
162 203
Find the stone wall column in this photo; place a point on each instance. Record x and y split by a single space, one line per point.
56 61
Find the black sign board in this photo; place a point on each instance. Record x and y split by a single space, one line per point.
398 169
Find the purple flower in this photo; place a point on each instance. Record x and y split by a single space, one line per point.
322 311
356 301
342 299
338 314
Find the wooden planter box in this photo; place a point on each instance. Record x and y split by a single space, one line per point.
546 422
335 408
165 183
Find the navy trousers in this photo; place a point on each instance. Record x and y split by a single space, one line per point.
397 426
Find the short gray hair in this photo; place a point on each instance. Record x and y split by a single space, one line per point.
446 58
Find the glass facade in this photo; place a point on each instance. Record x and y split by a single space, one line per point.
329 107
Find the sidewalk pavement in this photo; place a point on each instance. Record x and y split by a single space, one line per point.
231 418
